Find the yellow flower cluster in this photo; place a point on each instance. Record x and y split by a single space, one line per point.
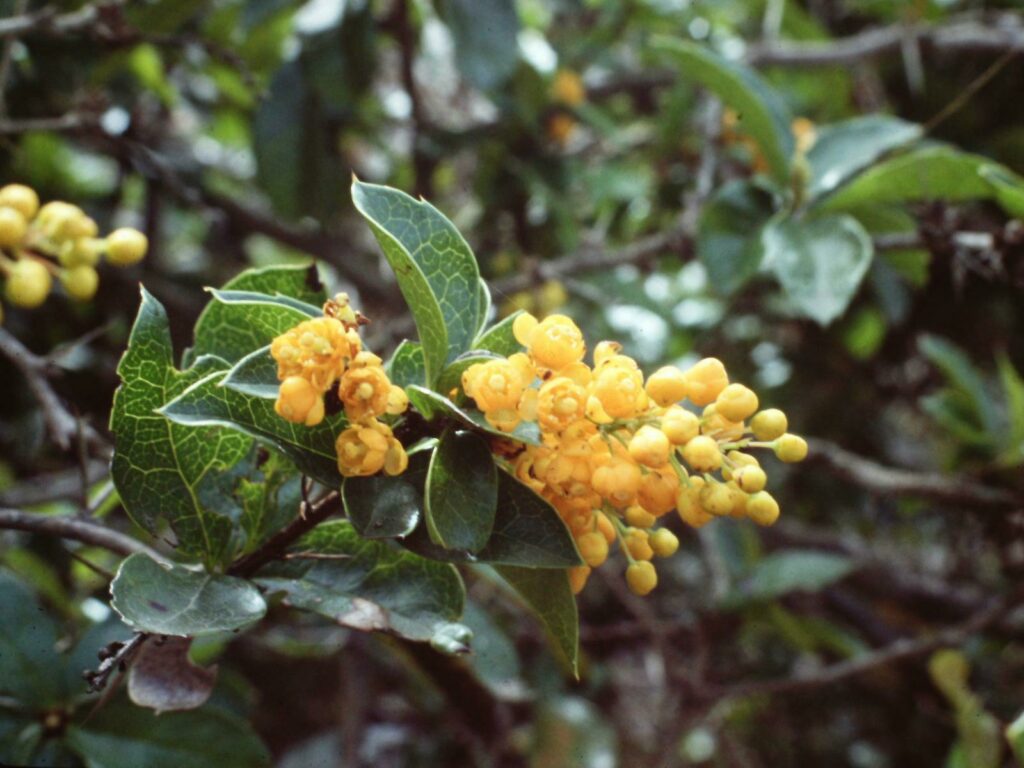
324 352
618 452
55 240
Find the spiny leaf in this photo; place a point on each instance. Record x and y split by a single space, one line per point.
436 269
165 471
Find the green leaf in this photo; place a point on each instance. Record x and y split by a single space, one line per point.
231 331
299 309
255 375
165 471
209 403
270 499
483 303
499 338
929 173
1007 186
1015 736
369 585
486 46
979 731
406 365
820 262
527 532
494 659
120 734
381 507
546 592
461 492
432 406
791 571
842 150
174 600
436 270
964 378
762 112
729 234
27 647
1013 390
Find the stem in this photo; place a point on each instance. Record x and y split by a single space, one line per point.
76 529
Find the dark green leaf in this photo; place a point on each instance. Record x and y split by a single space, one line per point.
499 338
255 375
27 647
780 573
406 365
300 310
494 658
270 499
175 600
120 734
844 149
436 270
1015 735
527 532
546 592
368 585
762 113
381 507
432 406
461 492
165 471
486 46
729 236
819 262
231 331
209 403
930 173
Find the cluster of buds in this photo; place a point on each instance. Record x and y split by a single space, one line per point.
325 354
619 452
57 240
567 93
804 131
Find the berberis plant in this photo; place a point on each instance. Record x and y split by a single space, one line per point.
288 464
497 448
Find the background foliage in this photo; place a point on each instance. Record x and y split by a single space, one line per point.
877 299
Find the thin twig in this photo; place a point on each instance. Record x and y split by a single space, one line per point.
900 650
85 531
62 426
276 546
113 658
6 57
879 479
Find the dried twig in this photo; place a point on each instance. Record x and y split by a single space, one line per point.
61 424
879 479
77 529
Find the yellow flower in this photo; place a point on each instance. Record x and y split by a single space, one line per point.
318 350
618 386
705 380
299 402
366 449
666 385
553 343
658 490
364 392
560 402
617 481
650 447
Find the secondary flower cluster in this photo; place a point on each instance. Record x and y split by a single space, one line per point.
618 452
324 354
55 240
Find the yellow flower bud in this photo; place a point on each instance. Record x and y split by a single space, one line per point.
762 508
705 380
80 282
750 479
593 548
638 517
21 198
638 543
791 448
578 578
13 227
680 425
736 402
769 424
641 578
28 283
126 247
664 543
650 447
666 385
702 454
